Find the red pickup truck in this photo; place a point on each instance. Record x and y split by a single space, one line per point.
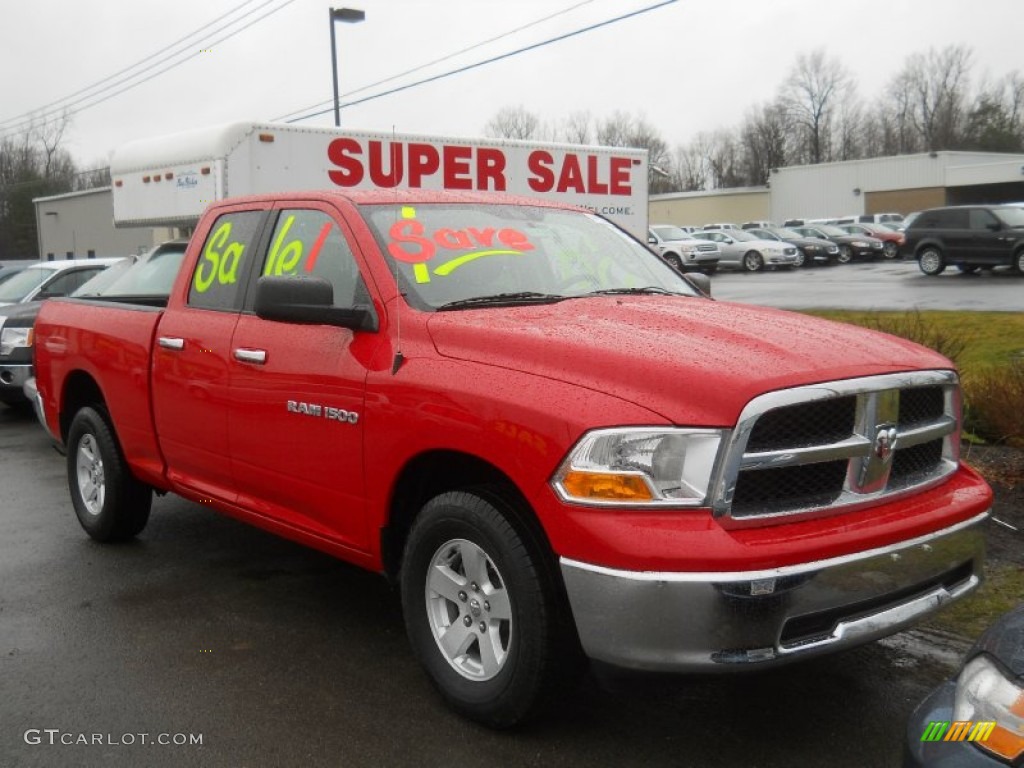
556 445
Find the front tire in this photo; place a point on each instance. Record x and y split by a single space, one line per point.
801 259
931 261
752 261
845 254
675 262
480 609
110 503
1018 261
890 250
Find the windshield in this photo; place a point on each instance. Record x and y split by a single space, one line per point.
449 253
832 231
94 285
786 234
1011 215
152 275
740 235
672 233
22 284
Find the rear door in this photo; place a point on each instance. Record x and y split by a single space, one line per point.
296 425
192 360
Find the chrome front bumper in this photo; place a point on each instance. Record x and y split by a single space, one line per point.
700 622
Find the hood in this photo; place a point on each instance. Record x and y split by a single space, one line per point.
1005 641
19 315
693 361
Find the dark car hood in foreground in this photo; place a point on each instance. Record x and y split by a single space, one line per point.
20 315
694 361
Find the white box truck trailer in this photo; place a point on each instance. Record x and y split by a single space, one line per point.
169 180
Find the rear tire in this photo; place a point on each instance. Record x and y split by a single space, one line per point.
1018 262
482 611
931 261
110 503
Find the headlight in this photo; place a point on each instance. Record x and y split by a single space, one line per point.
985 695
649 466
12 338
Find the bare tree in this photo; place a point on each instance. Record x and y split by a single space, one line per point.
764 136
513 123
577 128
811 96
691 170
935 88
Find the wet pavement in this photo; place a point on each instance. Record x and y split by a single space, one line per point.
881 285
274 655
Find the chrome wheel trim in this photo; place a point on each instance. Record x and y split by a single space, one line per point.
1020 262
91 482
468 610
891 250
930 262
845 254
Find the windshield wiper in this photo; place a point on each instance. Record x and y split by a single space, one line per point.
504 299
649 289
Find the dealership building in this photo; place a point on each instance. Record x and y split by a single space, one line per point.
899 184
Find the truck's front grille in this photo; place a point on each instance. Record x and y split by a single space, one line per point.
829 447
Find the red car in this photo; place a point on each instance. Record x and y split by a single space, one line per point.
892 239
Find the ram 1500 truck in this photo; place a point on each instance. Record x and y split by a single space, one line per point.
556 445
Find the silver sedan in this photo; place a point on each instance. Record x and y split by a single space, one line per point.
745 251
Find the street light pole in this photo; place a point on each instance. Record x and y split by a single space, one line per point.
350 16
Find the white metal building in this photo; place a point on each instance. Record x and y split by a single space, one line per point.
81 225
899 184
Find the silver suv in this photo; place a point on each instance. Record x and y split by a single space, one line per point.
683 251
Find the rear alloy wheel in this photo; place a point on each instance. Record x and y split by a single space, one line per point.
110 503
845 254
890 250
931 261
1018 261
752 262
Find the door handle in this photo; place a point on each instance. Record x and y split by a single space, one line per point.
170 342
254 356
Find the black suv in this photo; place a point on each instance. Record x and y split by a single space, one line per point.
968 236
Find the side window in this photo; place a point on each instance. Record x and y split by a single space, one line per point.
951 218
307 242
217 280
981 219
70 281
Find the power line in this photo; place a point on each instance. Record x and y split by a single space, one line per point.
131 85
443 58
46 107
491 60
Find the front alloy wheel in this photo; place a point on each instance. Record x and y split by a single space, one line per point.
845 254
468 610
752 261
1018 262
891 250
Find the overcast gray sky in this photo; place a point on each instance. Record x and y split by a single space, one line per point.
689 66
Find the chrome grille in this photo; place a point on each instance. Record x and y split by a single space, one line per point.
840 445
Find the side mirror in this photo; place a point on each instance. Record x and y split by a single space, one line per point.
700 281
652 240
308 301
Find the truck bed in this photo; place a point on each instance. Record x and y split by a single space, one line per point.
83 336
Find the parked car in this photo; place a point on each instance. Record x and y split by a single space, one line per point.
47 279
139 278
745 251
756 225
683 251
720 225
809 250
976 719
850 246
968 236
892 241
872 218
